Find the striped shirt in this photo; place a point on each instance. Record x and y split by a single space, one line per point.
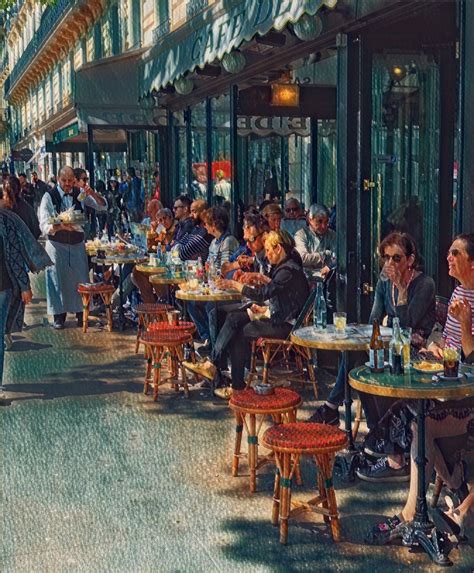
452 329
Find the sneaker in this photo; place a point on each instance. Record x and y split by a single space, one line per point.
8 341
375 447
325 415
205 369
225 392
381 472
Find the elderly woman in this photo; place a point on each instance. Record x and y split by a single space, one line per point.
294 217
287 291
19 252
317 242
454 417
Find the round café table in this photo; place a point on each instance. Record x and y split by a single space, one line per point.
420 387
215 296
167 280
356 338
120 260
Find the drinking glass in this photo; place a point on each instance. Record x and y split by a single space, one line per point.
340 321
406 337
383 274
451 362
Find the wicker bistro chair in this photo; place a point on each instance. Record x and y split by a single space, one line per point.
290 442
274 348
165 347
250 410
147 313
87 291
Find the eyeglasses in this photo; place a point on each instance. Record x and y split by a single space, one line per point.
454 252
394 258
292 209
253 239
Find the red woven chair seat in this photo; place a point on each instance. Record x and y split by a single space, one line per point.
164 337
280 399
304 436
182 326
152 308
88 288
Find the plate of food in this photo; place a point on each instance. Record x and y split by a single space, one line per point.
427 367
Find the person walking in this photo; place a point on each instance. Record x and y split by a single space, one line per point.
65 246
13 200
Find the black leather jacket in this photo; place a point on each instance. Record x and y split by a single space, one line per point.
287 291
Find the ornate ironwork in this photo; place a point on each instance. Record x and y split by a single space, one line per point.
161 30
193 7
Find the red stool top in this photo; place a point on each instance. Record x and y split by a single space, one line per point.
162 337
301 436
94 287
153 307
282 398
182 325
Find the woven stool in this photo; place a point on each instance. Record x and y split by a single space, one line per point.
247 405
148 312
159 346
290 442
105 291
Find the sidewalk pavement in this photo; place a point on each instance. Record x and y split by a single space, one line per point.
96 477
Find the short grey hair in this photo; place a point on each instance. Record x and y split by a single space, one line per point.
292 200
165 212
317 210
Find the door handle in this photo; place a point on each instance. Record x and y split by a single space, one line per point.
368 184
367 288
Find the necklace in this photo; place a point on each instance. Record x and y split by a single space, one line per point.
393 288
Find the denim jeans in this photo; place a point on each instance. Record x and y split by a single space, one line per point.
5 297
198 314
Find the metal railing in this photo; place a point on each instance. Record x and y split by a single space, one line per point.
193 7
52 15
161 30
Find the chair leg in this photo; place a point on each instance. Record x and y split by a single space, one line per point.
253 364
323 494
276 497
149 363
311 373
86 298
180 353
239 426
107 298
139 332
357 420
438 486
252 440
325 464
285 497
158 353
266 364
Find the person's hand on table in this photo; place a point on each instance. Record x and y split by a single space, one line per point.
26 296
434 349
255 308
253 279
224 284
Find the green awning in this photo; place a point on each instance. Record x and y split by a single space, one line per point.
209 36
66 133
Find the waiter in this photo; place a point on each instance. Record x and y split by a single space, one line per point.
65 246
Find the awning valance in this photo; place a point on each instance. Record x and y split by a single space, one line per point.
107 93
211 36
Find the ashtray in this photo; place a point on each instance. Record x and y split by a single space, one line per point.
264 389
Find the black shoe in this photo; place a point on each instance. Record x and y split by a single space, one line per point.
80 319
381 472
375 447
59 320
325 415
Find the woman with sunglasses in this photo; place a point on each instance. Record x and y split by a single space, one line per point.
403 291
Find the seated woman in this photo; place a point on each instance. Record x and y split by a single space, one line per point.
216 221
453 417
286 292
407 293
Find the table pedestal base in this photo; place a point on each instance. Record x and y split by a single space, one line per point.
435 543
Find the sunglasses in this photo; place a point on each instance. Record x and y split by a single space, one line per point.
454 252
253 239
394 258
291 209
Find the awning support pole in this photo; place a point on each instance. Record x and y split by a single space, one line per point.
209 149
90 154
234 95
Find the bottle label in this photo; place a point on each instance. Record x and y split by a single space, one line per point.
372 358
381 357
376 359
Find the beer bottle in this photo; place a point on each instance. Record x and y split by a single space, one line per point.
396 348
376 350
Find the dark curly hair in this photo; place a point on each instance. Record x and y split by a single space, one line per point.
217 217
403 240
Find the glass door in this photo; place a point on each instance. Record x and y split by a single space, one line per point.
405 127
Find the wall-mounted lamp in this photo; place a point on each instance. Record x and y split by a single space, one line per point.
285 95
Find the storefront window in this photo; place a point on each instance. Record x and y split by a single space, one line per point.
221 166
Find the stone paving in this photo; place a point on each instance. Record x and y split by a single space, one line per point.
96 477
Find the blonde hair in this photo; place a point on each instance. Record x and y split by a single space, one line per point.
275 238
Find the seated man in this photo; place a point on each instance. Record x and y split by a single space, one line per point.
195 243
294 217
286 292
317 242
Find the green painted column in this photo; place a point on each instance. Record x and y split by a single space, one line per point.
234 159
